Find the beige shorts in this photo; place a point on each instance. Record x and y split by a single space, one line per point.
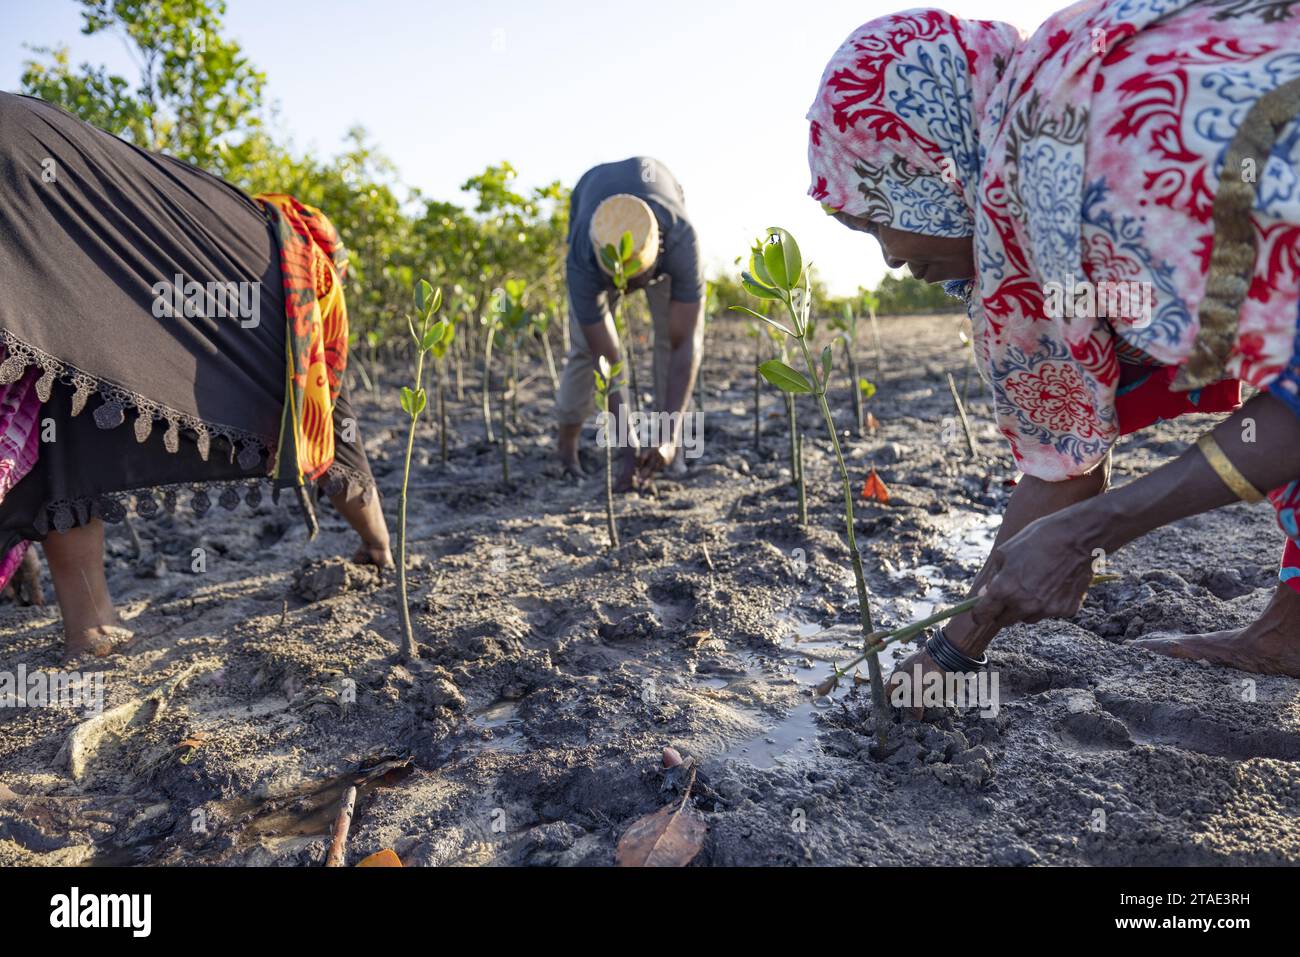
576 399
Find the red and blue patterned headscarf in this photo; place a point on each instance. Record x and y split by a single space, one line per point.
895 129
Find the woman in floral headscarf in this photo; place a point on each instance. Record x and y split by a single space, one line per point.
1116 198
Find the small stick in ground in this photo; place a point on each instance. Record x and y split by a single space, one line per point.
342 824
136 546
961 414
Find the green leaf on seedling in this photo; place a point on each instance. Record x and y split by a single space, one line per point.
424 298
868 390
411 325
632 266
420 400
407 396
791 259
444 343
774 260
433 335
625 246
771 322
758 268
603 365
827 358
609 256
783 377
756 288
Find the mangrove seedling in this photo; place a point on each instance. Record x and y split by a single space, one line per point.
871 302
491 321
541 329
756 332
776 272
427 302
515 323
771 371
623 265
607 382
847 324
439 351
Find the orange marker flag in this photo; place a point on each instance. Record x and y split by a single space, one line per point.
874 489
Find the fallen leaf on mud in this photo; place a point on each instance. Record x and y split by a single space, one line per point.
386 768
873 489
872 422
385 858
672 757
191 745
670 837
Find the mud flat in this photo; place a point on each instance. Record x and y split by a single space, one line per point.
556 674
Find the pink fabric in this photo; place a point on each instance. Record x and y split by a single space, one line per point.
20 441
1087 155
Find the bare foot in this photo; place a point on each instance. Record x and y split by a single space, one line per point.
1271 646
98 642
573 468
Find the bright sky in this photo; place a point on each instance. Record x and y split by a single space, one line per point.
717 90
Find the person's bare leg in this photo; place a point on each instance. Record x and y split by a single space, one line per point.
366 516
567 447
76 560
1270 646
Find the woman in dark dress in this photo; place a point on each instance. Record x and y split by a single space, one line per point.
144 336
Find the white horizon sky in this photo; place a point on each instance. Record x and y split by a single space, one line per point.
717 91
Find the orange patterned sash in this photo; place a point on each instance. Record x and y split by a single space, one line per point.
314 264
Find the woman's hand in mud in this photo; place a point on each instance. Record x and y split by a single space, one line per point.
1043 572
903 688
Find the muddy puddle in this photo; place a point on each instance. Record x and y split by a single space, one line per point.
809 647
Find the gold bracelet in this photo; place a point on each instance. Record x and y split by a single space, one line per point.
1231 475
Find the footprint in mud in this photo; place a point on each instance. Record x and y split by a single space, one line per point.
1091 727
1169 724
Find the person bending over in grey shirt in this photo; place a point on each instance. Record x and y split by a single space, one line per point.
637 195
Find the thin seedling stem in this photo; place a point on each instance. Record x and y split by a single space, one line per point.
859 576
961 414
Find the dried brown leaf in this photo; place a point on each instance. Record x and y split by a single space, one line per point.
670 837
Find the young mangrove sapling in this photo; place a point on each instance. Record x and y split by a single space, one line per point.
776 271
430 334
623 265
607 382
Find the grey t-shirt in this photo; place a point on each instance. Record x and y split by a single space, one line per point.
679 251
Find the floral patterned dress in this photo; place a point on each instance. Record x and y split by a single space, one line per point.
1148 147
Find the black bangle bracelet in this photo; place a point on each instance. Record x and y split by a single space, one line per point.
947 657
